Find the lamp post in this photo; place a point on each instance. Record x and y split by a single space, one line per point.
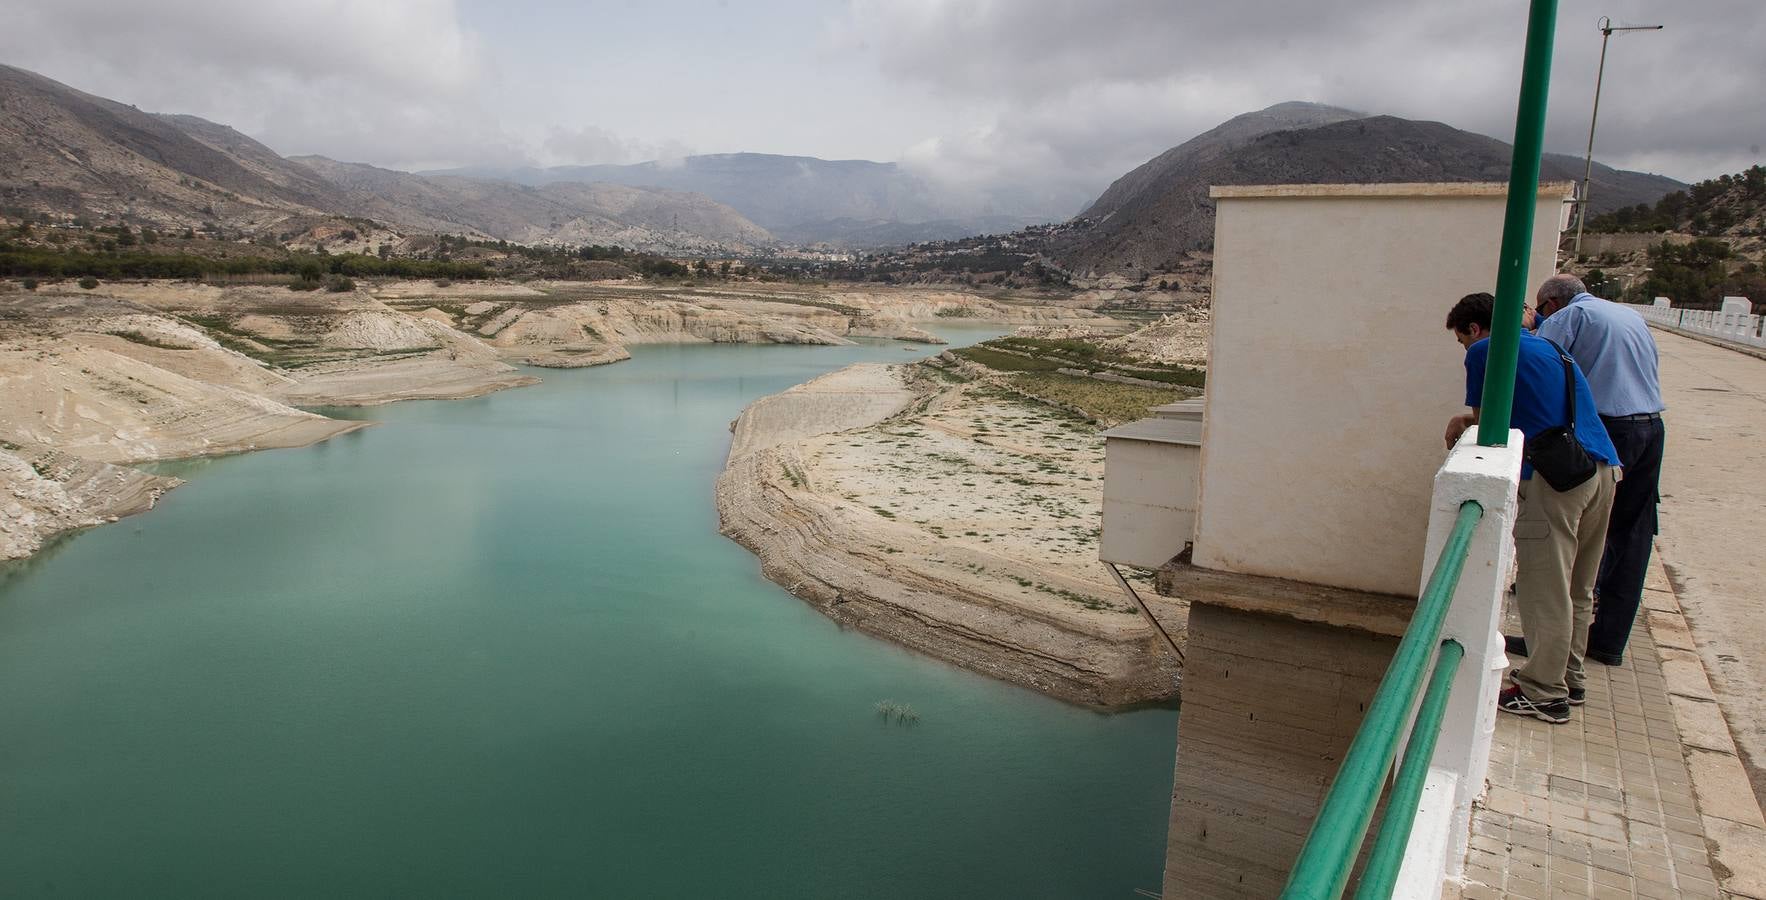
1606 31
1626 287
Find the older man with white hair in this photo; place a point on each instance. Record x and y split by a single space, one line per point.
1612 345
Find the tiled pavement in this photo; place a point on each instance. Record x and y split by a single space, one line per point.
1605 806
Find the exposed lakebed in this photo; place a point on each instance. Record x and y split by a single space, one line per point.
497 646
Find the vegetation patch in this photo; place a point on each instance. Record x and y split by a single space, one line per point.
146 340
1002 361
895 713
1107 402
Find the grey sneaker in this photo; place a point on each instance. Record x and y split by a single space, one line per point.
1578 696
1557 712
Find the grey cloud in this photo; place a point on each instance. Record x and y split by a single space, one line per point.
393 81
592 144
1099 87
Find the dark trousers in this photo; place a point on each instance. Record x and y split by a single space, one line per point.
1630 532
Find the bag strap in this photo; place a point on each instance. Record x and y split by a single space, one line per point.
1569 384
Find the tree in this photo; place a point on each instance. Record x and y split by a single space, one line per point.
88 282
1690 274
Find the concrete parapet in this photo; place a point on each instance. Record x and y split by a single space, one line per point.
1734 322
1489 476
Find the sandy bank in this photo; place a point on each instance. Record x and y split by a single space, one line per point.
948 516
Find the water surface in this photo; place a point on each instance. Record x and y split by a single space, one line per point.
496 647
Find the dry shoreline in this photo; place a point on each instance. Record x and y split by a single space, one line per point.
976 564
92 381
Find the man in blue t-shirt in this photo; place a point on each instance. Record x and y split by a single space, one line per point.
1559 535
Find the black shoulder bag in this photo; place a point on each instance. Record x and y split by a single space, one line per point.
1555 453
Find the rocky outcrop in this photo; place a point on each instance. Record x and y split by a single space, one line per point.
44 492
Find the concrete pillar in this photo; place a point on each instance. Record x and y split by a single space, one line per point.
1270 704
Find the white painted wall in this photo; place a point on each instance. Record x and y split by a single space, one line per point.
1331 374
1149 496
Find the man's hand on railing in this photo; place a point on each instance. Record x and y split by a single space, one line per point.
1457 426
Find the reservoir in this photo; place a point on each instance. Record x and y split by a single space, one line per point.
497 647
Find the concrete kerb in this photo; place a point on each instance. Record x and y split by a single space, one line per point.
1735 830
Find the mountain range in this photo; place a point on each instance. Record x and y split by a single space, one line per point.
69 153
1149 218
805 200
66 152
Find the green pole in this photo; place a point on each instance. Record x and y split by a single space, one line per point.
1517 228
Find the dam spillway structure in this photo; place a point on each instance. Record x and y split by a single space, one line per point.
1314 473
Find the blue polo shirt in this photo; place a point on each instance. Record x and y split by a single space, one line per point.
1539 396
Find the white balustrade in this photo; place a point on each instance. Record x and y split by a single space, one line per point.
1735 322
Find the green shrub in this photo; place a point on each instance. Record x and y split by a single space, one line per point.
339 284
304 284
30 284
88 282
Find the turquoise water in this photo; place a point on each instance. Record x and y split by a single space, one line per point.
496 647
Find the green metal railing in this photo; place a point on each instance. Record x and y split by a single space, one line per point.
1384 861
1322 871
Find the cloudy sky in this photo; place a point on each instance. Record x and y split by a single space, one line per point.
1059 94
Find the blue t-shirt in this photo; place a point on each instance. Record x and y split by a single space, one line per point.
1539 396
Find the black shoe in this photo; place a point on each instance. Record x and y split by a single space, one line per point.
1578 696
1605 659
1515 645
1557 712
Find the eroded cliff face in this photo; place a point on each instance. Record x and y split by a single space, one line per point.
44 492
941 516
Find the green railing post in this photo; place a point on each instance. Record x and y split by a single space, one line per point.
1322 869
1387 857
1517 228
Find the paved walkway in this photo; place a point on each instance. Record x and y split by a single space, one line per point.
1645 794
1713 518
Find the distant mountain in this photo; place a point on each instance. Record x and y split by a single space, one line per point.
806 200
1155 214
69 153
637 218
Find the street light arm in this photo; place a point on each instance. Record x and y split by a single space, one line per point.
1606 31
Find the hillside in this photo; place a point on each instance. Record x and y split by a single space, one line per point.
1160 211
1729 206
66 154
807 200
71 153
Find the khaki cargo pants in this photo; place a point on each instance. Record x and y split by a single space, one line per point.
1559 538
